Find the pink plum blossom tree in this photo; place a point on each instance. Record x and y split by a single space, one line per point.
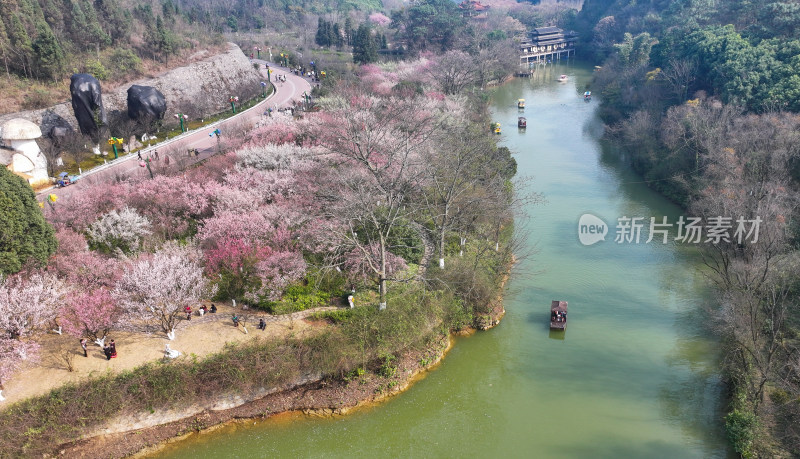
91 314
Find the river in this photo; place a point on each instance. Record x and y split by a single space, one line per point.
634 375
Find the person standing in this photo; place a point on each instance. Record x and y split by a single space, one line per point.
113 347
84 341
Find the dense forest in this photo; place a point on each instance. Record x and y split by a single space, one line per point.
702 97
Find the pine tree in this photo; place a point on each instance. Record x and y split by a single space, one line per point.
21 44
5 45
337 34
165 40
365 47
321 37
348 32
50 58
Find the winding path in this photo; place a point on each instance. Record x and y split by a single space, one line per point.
285 95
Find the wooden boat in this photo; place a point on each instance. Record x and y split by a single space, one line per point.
521 104
522 122
562 78
558 315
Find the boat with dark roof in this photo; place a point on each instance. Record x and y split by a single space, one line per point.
558 315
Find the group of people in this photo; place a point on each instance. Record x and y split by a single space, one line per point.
201 311
558 316
109 349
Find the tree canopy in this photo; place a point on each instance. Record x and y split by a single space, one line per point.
25 236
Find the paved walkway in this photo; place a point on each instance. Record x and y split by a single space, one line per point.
127 166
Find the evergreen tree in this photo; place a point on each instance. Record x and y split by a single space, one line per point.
5 46
25 236
337 35
321 37
165 40
365 46
21 45
348 31
50 57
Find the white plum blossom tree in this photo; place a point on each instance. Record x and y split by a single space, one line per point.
159 286
25 305
28 303
121 230
271 156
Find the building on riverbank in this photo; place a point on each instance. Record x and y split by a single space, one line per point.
546 44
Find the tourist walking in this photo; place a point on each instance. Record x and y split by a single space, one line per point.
84 341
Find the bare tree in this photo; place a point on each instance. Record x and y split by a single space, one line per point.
680 74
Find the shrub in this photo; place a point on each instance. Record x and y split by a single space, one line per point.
37 98
97 69
740 427
335 317
296 298
124 62
388 369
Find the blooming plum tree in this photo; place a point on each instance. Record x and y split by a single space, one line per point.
158 287
28 303
121 230
373 166
91 314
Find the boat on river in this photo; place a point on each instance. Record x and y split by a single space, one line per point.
562 78
558 315
521 104
522 122
587 95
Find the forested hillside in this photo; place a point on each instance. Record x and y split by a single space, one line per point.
702 97
42 42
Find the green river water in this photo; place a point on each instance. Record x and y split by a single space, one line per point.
633 376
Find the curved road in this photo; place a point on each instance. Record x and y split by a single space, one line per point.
285 95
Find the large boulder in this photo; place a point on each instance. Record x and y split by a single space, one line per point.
146 103
87 103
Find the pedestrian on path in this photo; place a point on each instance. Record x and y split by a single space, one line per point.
139 155
84 341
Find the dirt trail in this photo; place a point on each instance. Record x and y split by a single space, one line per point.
199 336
